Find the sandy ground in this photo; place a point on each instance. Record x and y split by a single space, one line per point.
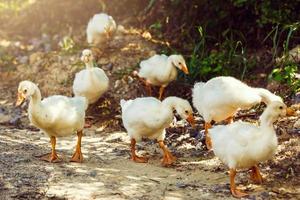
108 173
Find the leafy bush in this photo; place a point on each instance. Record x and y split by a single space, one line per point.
227 58
287 74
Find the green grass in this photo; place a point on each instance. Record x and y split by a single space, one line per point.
287 74
226 58
14 5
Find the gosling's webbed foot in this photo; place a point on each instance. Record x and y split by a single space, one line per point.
238 193
50 157
77 157
168 160
139 159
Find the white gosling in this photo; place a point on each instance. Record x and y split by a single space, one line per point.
91 82
160 70
149 117
221 97
100 29
243 145
57 116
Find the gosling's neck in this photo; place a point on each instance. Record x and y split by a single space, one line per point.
267 119
168 105
267 96
170 102
35 99
170 66
89 65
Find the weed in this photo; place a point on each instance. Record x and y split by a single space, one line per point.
157 29
67 45
287 74
277 33
227 58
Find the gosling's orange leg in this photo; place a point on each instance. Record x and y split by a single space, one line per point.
207 137
161 91
51 157
147 84
77 156
255 175
148 87
234 191
168 158
134 157
107 33
229 120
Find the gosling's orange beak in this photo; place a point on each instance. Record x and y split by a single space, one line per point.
290 111
191 120
184 69
21 98
85 59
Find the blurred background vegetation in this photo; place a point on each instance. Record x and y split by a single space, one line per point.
247 39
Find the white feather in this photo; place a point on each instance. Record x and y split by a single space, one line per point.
148 117
160 70
221 97
91 82
56 115
100 28
243 145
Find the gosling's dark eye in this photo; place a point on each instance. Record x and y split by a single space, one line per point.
280 107
25 91
186 112
179 63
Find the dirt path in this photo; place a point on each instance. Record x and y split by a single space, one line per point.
108 173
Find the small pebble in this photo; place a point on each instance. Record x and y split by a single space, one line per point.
93 173
181 185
